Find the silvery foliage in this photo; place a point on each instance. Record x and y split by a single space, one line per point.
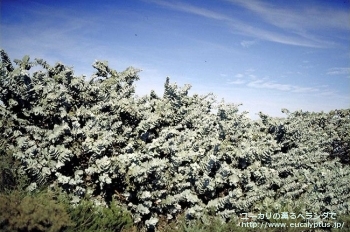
313 163
161 156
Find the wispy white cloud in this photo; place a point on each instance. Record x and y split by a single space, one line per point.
290 26
192 9
328 93
303 24
298 19
339 71
250 70
248 43
263 83
298 89
59 36
282 37
237 82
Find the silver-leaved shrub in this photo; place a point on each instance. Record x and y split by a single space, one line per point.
162 156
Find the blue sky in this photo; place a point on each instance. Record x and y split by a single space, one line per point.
266 55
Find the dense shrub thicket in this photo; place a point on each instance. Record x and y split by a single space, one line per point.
161 156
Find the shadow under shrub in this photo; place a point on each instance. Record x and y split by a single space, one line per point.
39 212
88 217
11 177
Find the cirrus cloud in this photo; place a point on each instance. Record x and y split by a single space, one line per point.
339 71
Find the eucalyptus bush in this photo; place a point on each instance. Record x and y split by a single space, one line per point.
159 156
